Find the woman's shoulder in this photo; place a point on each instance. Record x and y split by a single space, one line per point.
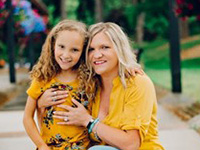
140 81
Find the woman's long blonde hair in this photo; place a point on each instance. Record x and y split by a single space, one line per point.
126 57
47 68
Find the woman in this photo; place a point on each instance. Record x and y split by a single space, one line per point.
125 108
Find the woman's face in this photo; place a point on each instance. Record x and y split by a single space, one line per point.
102 55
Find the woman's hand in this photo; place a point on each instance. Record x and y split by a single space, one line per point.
134 71
52 97
73 116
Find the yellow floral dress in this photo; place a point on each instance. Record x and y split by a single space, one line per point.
61 137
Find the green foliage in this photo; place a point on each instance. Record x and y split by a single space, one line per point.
158 25
190 44
191 63
131 12
156 54
71 9
52 20
3 51
193 25
156 16
85 11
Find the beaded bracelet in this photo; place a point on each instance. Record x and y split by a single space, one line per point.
95 132
92 125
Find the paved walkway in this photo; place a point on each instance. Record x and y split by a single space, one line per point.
174 134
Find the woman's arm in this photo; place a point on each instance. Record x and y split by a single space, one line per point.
126 140
30 124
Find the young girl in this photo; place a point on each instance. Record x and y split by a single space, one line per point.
61 67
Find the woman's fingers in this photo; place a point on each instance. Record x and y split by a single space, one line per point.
60 92
66 107
77 103
140 71
61 113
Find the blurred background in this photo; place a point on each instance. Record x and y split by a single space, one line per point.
165 35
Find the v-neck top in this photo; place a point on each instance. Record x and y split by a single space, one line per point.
133 107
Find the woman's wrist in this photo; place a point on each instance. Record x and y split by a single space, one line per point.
86 122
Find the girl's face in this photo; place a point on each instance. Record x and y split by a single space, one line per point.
68 49
102 55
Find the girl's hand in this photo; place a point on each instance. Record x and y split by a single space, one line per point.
52 97
134 71
44 147
73 116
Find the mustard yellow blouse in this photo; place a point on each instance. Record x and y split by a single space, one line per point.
134 107
61 137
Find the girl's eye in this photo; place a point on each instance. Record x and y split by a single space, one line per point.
75 50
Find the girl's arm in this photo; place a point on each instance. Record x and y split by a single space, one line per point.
126 140
51 97
30 124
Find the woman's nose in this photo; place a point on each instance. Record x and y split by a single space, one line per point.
98 54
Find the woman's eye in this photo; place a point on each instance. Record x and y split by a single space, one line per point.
61 46
104 47
90 49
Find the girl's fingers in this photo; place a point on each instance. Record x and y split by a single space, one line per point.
58 102
57 97
61 92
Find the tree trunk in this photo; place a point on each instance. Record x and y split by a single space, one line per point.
135 2
98 11
63 9
140 24
140 28
184 28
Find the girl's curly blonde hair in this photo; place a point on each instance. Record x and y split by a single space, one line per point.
47 68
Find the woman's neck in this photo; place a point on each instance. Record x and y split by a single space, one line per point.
67 76
107 81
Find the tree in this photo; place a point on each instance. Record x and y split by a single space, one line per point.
98 11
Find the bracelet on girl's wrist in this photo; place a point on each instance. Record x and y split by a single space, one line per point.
91 125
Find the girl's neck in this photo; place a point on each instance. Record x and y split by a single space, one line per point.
67 76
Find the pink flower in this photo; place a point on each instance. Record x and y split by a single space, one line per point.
1 22
183 18
179 2
178 11
198 17
190 6
1 4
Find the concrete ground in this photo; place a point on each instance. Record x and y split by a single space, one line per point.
174 134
